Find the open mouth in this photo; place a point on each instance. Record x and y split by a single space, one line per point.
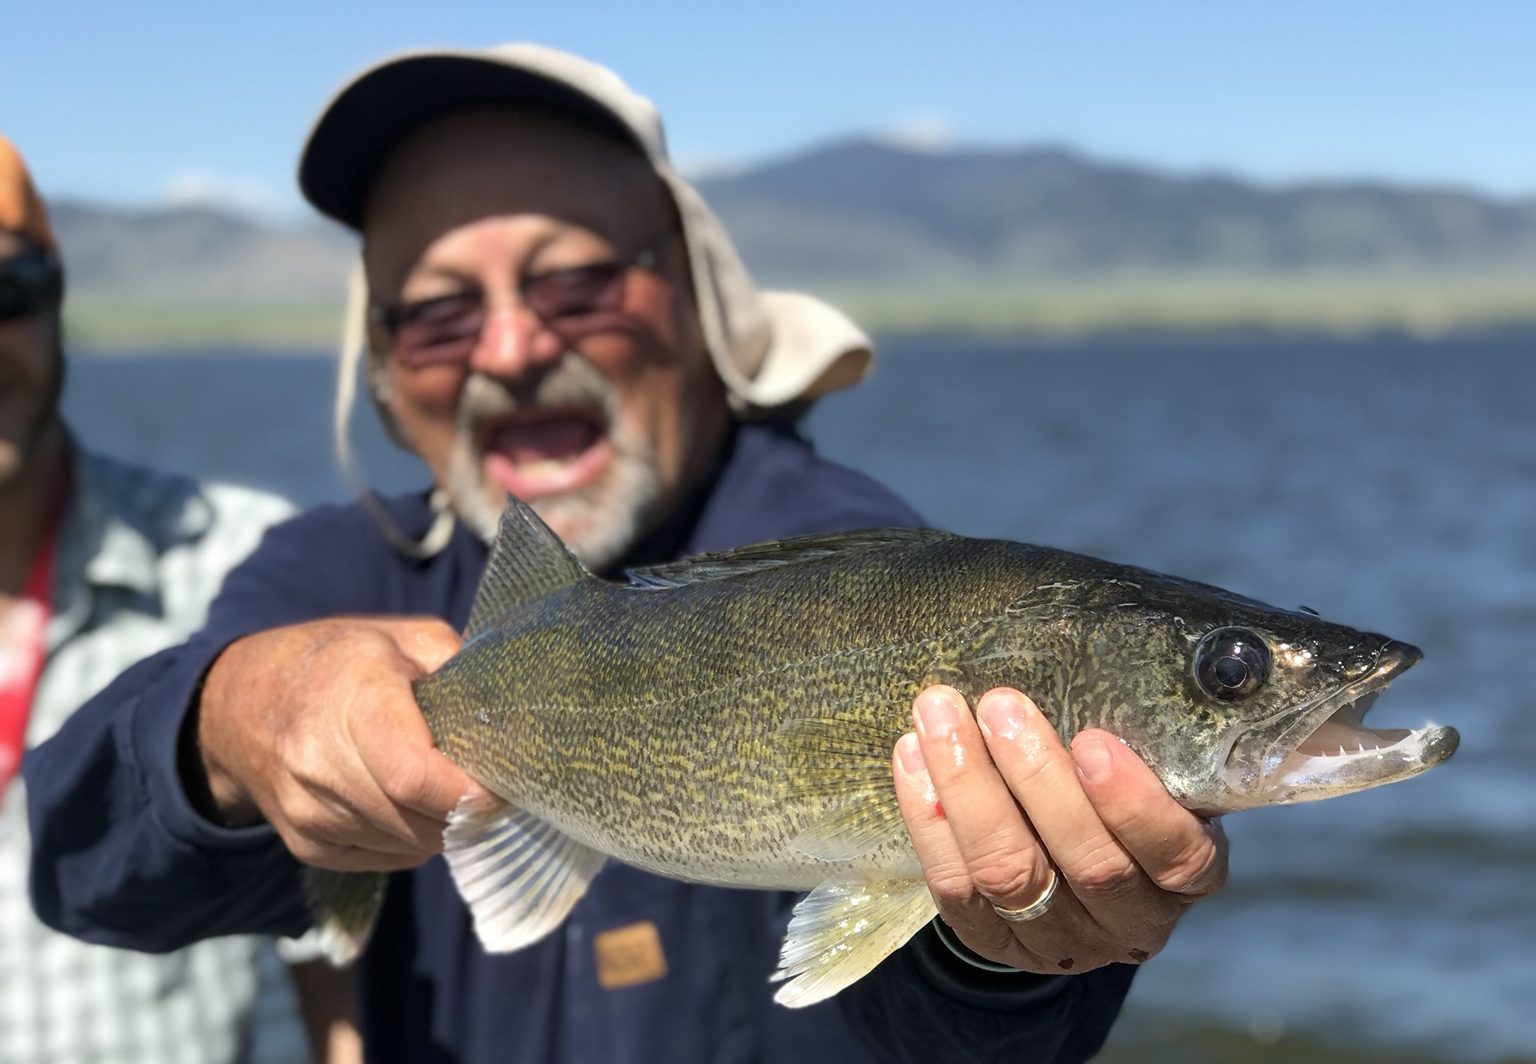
1329 750
545 451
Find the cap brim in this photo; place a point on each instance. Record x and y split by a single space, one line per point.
383 106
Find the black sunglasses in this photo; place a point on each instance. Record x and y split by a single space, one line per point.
446 327
29 282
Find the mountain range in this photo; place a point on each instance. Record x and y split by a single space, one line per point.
942 237
868 209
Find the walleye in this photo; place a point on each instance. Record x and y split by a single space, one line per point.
729 719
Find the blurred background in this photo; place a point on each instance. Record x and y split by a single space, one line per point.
1243 292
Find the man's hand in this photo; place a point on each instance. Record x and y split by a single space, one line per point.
314 728
996 812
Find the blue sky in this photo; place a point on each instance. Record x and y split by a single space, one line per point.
147 101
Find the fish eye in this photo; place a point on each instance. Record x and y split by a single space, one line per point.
1231 663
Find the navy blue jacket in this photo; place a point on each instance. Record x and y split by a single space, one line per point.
122 858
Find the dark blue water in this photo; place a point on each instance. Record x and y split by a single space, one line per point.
1388 483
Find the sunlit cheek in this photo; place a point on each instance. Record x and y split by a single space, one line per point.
691 395
432 391
632 361
686 404
657 321
426 417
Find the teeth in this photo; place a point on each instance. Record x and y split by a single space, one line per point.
1407 741
545 465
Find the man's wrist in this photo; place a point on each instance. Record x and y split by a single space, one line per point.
213 792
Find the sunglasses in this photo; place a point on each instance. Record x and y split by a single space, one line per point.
446 328
29 282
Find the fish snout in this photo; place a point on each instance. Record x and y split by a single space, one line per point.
1397 657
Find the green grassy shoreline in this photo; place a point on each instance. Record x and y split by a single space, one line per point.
1336 305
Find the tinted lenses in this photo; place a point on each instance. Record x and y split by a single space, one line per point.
29 283
448 326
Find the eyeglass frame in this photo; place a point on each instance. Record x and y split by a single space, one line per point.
387 317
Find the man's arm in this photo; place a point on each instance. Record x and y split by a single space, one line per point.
118 853
313 729
149 808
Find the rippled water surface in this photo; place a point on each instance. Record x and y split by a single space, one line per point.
1388 483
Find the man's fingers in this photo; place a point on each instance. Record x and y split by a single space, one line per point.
394 830
992 802
396 750
1178 850
1042 776
949 879
426 642
315 727
1004 860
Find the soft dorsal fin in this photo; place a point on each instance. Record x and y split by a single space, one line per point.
528 561
723 565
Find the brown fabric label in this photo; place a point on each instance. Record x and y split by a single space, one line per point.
629 955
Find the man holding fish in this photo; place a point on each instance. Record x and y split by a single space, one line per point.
552 313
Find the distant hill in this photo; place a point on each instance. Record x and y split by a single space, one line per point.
200 253
868 209
1029 237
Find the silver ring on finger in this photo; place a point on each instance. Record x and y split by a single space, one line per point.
1035 909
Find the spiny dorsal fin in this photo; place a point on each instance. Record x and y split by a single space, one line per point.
723 565
528 561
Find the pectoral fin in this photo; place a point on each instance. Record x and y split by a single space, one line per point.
842 764
519 875
844 928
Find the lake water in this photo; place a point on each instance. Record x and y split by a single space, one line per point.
1389 483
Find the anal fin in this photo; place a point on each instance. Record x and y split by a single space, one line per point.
519 875
843 929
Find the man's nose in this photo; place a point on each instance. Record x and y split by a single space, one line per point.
511 342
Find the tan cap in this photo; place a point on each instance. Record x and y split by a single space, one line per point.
21 211
770 348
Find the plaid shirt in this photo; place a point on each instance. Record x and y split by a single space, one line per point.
140 555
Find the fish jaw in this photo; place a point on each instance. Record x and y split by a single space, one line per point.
1326 750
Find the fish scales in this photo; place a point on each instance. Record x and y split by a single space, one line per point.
619 716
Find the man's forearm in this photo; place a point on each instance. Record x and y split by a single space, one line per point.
120 854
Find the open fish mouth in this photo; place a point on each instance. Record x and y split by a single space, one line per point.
1329 751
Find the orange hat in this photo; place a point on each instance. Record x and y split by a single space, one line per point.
21 211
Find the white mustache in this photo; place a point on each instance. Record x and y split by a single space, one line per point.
573 381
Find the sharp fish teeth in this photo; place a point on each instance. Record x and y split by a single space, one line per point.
1360 750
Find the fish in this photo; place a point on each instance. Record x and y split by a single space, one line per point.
729 719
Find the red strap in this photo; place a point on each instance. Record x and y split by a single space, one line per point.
23 649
